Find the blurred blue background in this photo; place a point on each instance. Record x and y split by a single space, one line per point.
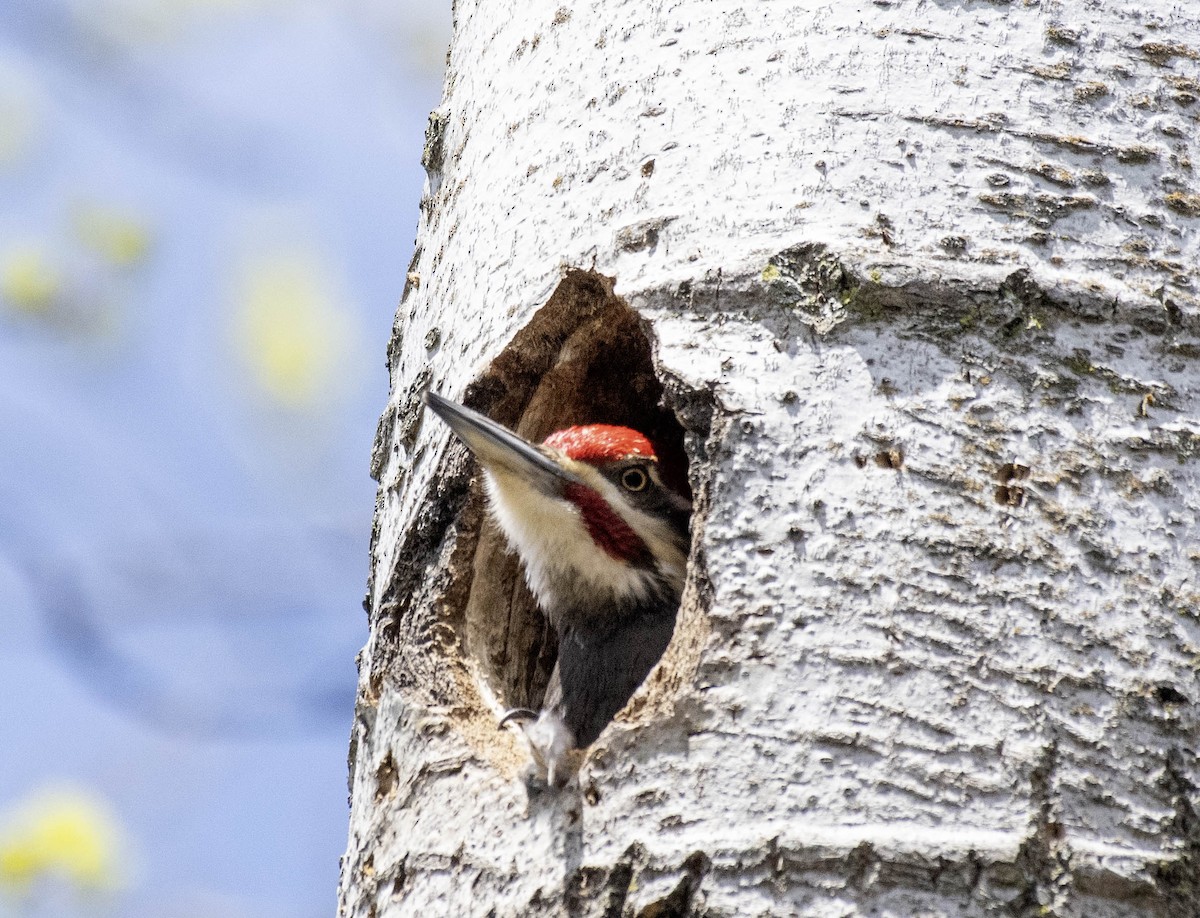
206 212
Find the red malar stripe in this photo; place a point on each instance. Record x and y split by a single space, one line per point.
606 527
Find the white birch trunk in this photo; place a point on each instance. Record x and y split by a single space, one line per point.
920 282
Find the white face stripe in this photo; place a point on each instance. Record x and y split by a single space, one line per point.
559 555
655 532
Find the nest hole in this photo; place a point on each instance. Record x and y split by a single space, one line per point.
585 357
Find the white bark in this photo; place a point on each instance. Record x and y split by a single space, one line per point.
921 282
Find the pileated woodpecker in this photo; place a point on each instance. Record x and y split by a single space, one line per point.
604 546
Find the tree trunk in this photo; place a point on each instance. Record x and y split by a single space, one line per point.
910 286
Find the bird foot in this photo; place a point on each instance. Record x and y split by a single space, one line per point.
553 746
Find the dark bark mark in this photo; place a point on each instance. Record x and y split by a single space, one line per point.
1043 859
1178 878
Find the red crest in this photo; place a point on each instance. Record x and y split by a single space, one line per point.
595 443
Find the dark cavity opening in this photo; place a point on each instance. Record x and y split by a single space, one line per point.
584 357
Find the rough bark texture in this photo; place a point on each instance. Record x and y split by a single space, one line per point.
916 282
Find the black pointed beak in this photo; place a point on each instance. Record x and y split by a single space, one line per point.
498 449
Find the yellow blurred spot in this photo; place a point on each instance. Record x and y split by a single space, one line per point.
65 833
29 282
291 332
120 238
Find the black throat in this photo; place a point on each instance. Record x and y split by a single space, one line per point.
604 655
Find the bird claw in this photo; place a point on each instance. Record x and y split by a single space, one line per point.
516 714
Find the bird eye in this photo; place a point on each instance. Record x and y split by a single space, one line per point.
634 479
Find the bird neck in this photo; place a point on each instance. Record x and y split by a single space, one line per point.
569 600
565 566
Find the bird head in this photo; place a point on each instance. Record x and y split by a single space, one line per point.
586 510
